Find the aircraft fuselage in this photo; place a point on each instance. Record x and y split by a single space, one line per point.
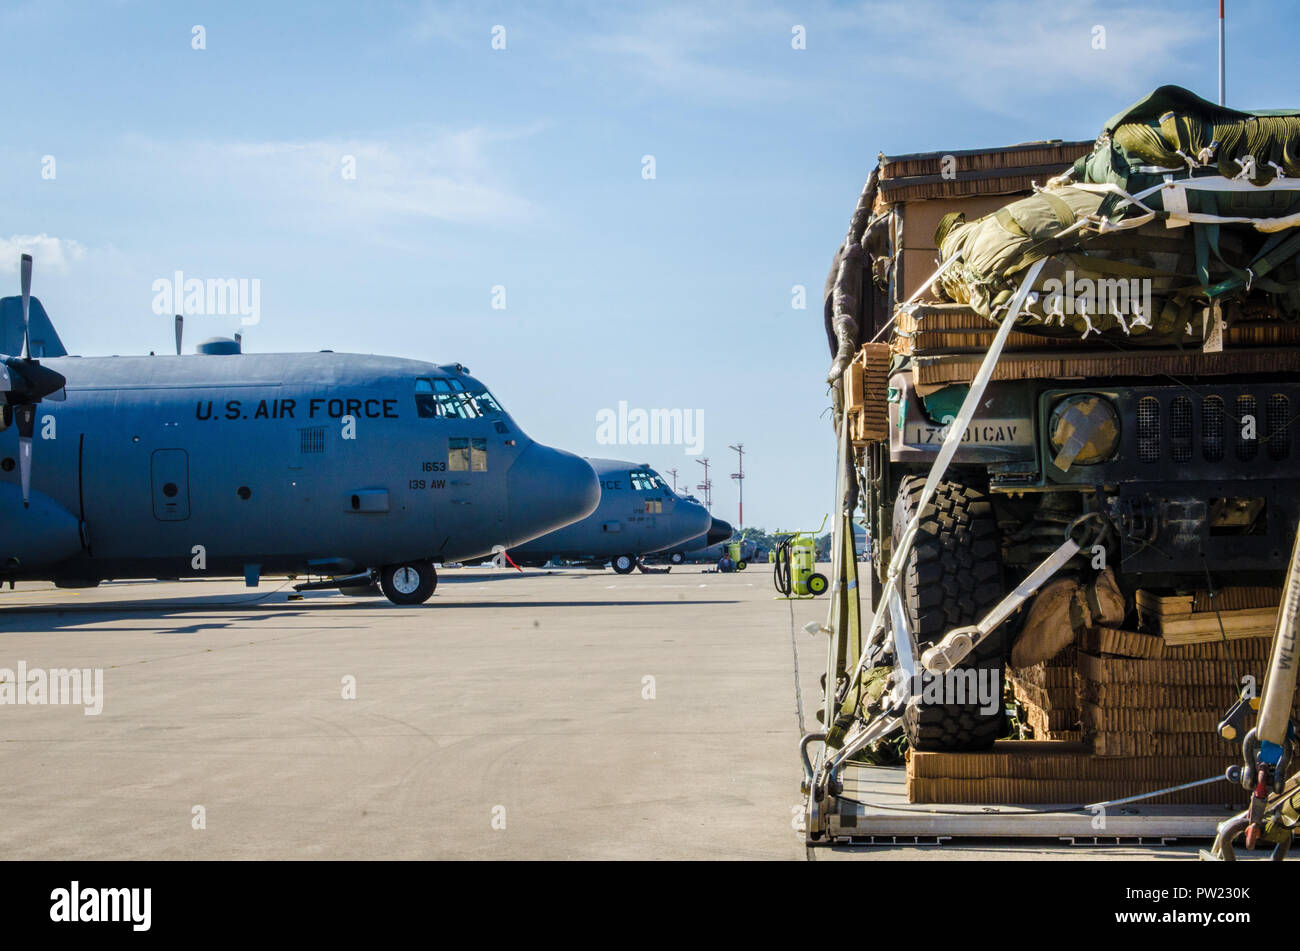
208 464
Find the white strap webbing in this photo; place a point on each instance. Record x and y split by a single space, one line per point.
1266 225
903 546
1280 684
968 407
908 304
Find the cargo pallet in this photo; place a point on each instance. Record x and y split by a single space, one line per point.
873 810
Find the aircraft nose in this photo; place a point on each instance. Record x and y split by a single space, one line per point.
719 531
693 519
548 489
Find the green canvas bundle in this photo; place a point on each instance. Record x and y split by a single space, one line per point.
1180 204
1139 283
1173 131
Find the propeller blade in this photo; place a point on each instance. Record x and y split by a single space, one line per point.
58 395
25 466
25 269
180 326
25 416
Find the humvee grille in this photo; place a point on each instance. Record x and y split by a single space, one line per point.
1279 433
1212 428
1247 448
1220 430
1148 429
1180 429
1218 426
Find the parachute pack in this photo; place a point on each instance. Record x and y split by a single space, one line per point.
1184 218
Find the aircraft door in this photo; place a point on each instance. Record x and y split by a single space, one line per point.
171 485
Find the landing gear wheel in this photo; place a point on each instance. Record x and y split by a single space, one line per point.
623 564
411 583
742 565
953 577
676 558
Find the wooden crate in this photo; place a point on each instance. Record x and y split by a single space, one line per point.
866 402
1029 771
1191 618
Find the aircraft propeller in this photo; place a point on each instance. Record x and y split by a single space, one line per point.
25 383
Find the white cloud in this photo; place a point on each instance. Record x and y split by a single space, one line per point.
48 253
446 176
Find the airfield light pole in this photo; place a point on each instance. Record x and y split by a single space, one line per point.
1221 56
706 486
739 449
673 473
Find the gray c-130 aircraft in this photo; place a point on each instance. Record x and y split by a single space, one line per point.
637 514
228 464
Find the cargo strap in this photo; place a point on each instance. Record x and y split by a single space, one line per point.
959 642
891 594
1206 183
910 304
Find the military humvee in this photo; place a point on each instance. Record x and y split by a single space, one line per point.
1178 449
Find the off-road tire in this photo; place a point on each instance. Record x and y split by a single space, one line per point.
953 577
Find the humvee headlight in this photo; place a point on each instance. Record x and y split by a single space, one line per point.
1084 430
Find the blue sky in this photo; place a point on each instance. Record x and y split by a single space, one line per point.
522 168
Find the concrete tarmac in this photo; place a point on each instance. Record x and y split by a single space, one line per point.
572 714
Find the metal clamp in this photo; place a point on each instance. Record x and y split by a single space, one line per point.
803 755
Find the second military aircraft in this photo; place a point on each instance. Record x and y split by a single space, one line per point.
638 514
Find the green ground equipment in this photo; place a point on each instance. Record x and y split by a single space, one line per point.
794 565
733 550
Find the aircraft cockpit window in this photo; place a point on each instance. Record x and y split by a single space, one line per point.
425 404
449 399
645 480
487 404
